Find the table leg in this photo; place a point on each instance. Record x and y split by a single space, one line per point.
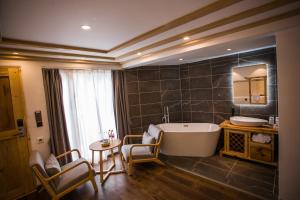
101 166
113 156
121 156
93 158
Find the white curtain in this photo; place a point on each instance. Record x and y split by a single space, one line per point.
88 103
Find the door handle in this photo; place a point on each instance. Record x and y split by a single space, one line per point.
20 124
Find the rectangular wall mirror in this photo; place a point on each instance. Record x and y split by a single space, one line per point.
250 84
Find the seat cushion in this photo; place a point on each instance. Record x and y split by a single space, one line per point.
154 131
148 139
74 175
137 152
52 167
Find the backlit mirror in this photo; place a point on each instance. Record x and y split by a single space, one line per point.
250 84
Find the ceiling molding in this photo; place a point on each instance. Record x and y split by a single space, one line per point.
204 39
40 58
50 53
234 18
211 8
6 40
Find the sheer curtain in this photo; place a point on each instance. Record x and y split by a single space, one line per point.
88 103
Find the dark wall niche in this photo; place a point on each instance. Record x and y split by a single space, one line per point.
195 92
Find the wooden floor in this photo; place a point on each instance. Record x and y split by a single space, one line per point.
151 181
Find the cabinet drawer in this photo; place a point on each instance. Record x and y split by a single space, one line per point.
260 152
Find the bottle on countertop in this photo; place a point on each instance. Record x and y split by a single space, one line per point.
271 120
276 125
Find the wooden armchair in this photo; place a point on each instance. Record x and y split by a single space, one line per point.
71 176
141 153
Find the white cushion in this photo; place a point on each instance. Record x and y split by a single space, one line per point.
52 167
136 151
154 131
148 139
74 175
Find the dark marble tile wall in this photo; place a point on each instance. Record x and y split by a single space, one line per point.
195 92
150 88
207 87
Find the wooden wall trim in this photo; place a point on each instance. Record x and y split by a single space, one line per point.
222 22
213 7
51 53
39 58
204 39
6 40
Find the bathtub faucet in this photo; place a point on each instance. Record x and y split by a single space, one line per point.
166 118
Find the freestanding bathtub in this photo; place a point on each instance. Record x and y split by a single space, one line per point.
189 139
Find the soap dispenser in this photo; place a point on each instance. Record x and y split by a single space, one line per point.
232 111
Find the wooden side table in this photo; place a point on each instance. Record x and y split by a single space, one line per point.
104 174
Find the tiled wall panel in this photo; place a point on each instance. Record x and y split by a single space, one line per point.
195 92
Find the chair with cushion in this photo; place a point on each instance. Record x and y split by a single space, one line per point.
60 180
146 152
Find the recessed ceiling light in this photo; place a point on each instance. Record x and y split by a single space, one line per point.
85 27
228 49
139 53
186 38
180 59
15 53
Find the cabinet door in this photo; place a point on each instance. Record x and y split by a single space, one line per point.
262 151
236 143
15 175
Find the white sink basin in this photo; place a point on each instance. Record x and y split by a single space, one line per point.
247 121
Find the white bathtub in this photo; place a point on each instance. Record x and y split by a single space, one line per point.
189 139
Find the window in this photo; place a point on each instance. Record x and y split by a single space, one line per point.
88 103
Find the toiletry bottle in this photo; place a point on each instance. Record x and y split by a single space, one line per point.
277 122
271 120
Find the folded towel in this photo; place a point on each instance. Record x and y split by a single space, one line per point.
261 138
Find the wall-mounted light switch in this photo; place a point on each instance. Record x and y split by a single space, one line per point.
38 118
40 140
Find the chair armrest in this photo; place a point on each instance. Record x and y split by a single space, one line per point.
65 171
141 145
68 152
131 136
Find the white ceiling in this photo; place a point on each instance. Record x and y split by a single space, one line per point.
113 21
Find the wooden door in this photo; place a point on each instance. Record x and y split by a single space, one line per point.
15 175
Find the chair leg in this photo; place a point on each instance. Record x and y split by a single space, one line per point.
55 198
94 184
129 168
159 162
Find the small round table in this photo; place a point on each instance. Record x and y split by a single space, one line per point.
96 146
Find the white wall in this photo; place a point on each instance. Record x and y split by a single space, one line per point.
288 64
32 81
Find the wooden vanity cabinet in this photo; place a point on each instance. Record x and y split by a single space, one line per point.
238 142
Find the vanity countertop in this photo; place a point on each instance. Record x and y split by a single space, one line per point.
228 125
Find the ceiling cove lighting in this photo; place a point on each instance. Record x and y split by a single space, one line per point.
186 38
85 27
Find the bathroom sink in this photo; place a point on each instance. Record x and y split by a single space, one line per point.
247 121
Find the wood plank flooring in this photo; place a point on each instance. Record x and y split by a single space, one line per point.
152 181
